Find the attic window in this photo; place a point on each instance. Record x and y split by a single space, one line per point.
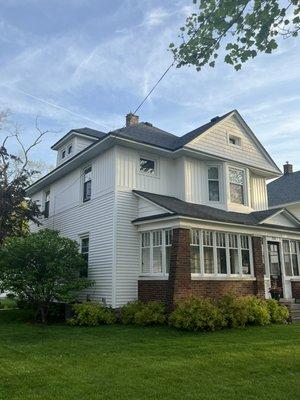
70 149
234 140
63 154
147 166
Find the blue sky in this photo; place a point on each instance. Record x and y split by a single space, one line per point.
96 59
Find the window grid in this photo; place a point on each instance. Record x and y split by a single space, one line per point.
291 257
213 174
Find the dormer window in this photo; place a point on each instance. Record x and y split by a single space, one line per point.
70 149
234 140
63 154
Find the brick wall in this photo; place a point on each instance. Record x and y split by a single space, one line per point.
153 290
296 290
258 266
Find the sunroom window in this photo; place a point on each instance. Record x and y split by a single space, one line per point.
208 252
221 252
156 252
291 261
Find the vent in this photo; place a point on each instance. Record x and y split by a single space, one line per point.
214 119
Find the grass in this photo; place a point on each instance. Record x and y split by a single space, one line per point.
118 362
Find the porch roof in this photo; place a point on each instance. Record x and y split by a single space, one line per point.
177 207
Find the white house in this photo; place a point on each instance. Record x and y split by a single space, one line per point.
160 216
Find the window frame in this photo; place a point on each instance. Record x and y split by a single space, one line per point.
163 246
83 184
81 238
214 180
238 140
244 186
149 158
290 253
46 203
70 146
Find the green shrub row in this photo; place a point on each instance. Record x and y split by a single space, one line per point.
192 314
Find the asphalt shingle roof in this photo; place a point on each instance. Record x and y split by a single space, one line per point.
203 212
284 190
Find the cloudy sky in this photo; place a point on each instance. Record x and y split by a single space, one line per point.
77 63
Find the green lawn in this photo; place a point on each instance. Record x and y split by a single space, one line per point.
61 362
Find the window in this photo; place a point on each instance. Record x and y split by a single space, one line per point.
147 166
237 185
208 252
70 148
47 204
156 252
87 184
195 251
213 184
221 253
234 140
85 254
245 250
290 254
63 154
233 254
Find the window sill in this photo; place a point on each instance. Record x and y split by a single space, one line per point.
293 278
198 277
148 175
156 277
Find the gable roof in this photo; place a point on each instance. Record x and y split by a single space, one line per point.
203 212
284 190
92 133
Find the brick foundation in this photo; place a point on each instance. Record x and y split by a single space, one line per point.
295 290
180 285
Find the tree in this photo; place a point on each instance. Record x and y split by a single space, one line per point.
245 27
16 173
41 268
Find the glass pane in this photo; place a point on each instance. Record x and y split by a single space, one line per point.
168 258
234 261
236 176
246 262
293 246
232 240
85 245
221 260
244 242
213 173
195 260
145 239
295 264
157 238
220 238
287 264
87 190
146 260
157 260
213 187
168 237
286 247
207 238
236 193
195 235
208 260
147 166
88 174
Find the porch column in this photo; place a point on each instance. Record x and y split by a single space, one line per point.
258 264
179 284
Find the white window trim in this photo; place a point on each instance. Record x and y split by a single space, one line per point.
245 186
219 181
215 274
290 256
156 165
82 183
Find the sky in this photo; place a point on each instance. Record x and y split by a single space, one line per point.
77 63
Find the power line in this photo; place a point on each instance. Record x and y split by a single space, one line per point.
149 93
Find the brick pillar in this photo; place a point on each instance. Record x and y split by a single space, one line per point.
258 266
179 284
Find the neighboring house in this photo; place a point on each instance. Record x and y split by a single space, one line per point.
285 191
162 217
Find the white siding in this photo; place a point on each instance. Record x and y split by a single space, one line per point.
281 220
215 141
81 143
295 209
146 209
258 189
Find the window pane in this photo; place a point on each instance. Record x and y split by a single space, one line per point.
213 188
195 260
207 238
234 261
236 193
286 247
87 174
85 253
213 173
157 238
246 262
220 239
147 165
169 237
244 242
146 260
195 236
287 264
293 246
157 260
87 190
295 264
221 260
208 260
232 240
236 176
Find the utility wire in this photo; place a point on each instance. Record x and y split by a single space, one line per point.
149 93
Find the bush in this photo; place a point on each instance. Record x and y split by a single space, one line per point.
234 311
91 314
197 314
279 313
7 304
139 313
256 309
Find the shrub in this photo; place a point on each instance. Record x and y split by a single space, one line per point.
234 311
279 313
256 309
197 314
91 314
138 313
151 313
7 304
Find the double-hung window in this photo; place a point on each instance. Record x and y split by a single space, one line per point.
213 184
87 184
246 255
195 251
208 252
85 246
291 260
233 254
237 185
47 204
221 252
156 252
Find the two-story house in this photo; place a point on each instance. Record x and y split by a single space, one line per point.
161 217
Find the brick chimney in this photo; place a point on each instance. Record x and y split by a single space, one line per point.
287 168
131 119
